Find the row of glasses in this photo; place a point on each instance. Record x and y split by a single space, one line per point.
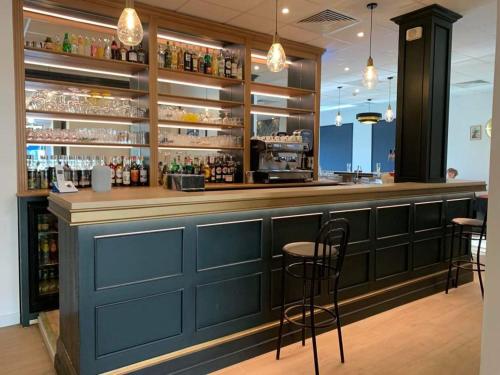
86 135
167 137
208 116
83 101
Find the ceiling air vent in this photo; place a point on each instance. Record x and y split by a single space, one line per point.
471 84
326 22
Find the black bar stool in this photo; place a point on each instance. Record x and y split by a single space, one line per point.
315 262
467 228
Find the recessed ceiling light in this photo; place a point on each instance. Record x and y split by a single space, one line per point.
356 91
285 10
346 69
256 67
360 34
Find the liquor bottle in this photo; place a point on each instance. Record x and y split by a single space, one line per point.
57 44
81 45
126 171
100 48
208 62
51 172
206 169
194 60
228 65
74 44
201 61
53 250
119 171
141 55
107 49
31 173
196 166
132 55
87 47
122 53
239 69
167 58
66 44
73 164
234 66
143 172
218 170
115 55
225 170
93 48
160 55
134 172
112 166
174 65
188 60
180 57
213 176
221 64
44 246
230 170
42 173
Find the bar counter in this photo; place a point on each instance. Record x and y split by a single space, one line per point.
155 281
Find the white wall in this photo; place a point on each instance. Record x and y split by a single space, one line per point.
9 270
470 158
490 360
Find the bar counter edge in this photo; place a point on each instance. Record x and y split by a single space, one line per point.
158 284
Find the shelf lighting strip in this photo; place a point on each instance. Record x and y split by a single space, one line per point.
201 127
263 57
188 149
175 104
188 41
270 114
32 117
70 18
81 146
270 95
165 80
65 67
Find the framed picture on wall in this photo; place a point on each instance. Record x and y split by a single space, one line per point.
475 133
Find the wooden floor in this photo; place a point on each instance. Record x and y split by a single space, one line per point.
437 335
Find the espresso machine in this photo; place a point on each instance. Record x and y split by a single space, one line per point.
281 158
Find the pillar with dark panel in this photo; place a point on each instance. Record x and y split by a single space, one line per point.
425 37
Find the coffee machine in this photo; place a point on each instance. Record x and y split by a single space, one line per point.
281 158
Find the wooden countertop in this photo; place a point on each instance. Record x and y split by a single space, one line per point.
88 207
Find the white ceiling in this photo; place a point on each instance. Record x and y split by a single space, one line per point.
473 39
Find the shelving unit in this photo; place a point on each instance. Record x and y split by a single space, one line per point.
154 85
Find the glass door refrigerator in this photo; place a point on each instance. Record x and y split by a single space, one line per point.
38 259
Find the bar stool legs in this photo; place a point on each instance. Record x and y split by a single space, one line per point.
460 246
313 331
450 264
304 293
339 325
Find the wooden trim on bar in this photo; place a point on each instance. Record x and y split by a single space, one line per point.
255 330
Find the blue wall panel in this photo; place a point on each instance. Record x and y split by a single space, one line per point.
335 147
383 140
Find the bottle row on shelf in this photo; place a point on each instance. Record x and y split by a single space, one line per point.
48 280
47 224
189 58
87 135
101 47
126 171
217 168
208 116
48 252
83 101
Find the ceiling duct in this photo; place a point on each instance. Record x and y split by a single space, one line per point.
327 22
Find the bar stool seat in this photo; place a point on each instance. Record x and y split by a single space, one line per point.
304 249
465 221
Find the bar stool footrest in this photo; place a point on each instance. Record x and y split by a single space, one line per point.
324 324
461 264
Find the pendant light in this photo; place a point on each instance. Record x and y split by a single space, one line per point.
276 58
389 113
369 118
338 118
129 29
370 74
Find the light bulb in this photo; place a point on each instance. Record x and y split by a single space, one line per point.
276 58
338 119
370 75
389 114
129 29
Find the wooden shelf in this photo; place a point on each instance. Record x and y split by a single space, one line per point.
176 147
279 90
86 144
34 193
281 111
41 84
84 117
80 61
209 103
198 124
197 78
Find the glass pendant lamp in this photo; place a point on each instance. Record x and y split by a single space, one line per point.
389 113
338 118
370 73
129 29
276 58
